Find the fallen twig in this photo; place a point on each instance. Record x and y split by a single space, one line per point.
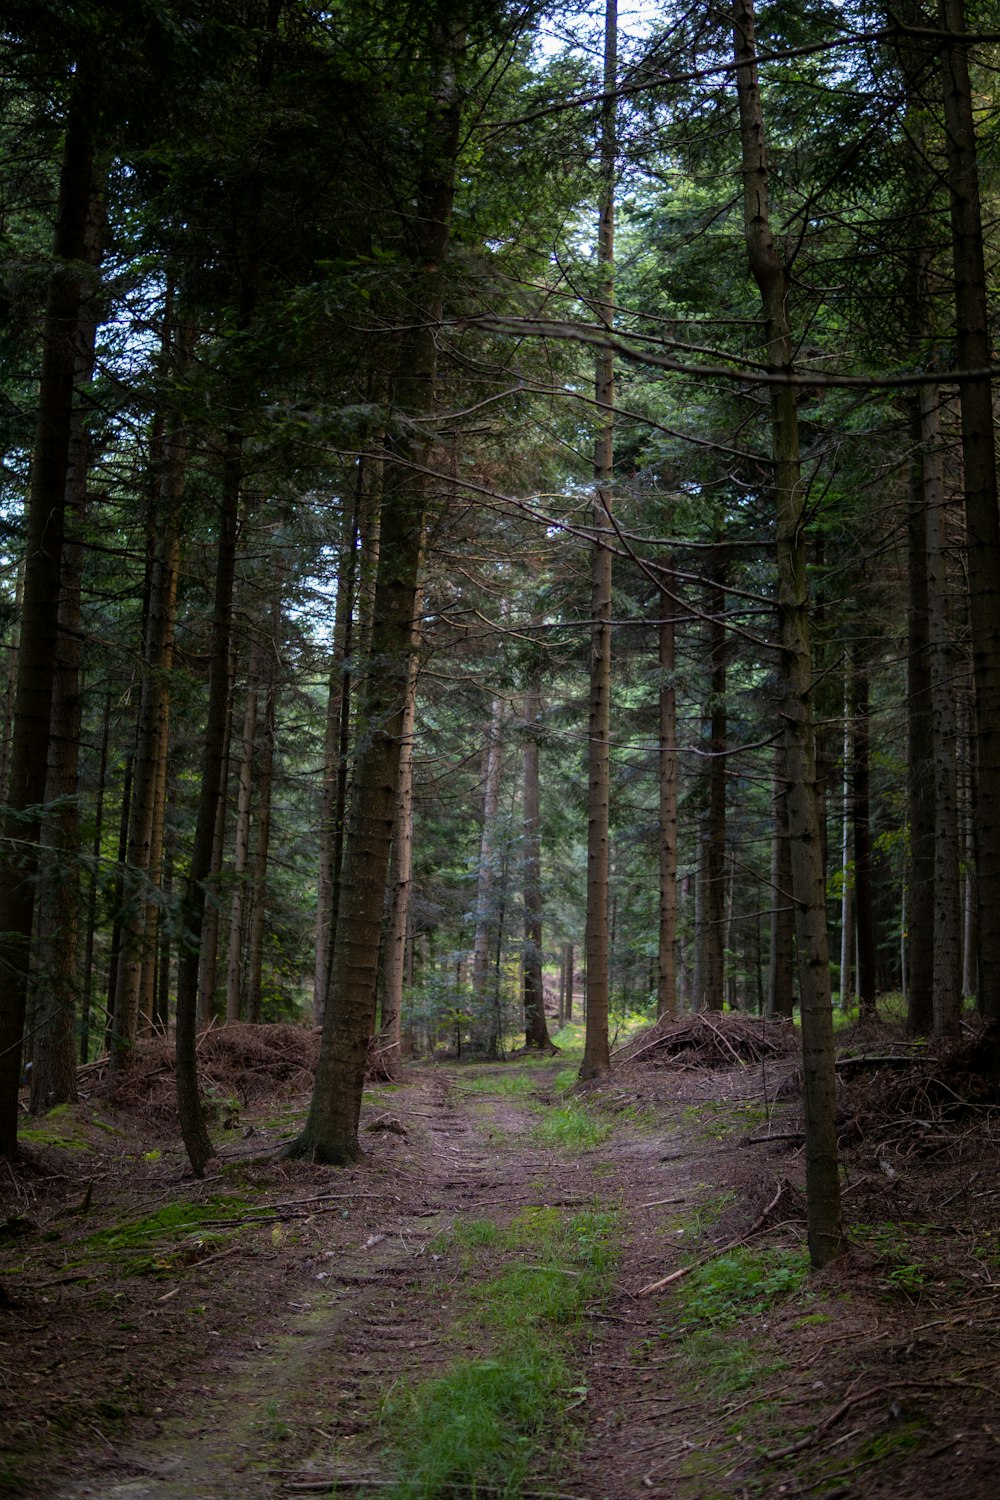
755 1227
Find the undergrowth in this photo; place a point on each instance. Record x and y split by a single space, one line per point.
479 1428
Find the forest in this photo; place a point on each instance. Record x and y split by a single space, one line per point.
499 549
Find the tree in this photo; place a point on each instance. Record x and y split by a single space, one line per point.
596 1056
826 1239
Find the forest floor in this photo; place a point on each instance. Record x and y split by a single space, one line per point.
467 1311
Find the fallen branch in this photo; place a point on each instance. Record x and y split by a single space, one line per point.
755 1228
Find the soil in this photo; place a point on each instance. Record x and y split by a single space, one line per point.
243 1346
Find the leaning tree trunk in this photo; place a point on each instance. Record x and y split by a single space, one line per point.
825 1225
65 314
331 1129
597 1052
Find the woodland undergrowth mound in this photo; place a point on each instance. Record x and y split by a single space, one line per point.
918 1103
239 1062
708 1041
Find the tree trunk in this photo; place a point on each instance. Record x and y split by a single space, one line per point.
483 1028
946 916
781 957
141 878
864 896
241 847
597 1052
846 865
825 1226
920 767
974 354
666 966
265 793
536 1031
331 1130
69 291
208 958
334 747
715 830
400 876
214 758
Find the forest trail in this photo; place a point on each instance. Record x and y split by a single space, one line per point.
300 1413
298 1351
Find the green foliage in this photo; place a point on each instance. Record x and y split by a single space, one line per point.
730 1287
903 1275
481 1425
571 1126
478 1425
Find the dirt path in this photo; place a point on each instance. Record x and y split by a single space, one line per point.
258 1370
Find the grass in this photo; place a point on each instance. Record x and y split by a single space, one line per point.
572 1127
173 1223
484 1424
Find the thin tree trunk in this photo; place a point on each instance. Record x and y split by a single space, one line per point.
536 1031
946 917
666 966
825 1225
140 876
69 290
265 794
208 957
337 716
846 869
864 896
241 850
781 957
93 885
196 1138
715 846
486 920
400 876
597 1052
920 765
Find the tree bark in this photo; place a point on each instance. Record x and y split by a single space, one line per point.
947 914
141 876
331 1130
536 1031
666 964
864 895
196 1139
920 767
825 1226
69 288
597 1051
400 876
241 847
781 954
974 354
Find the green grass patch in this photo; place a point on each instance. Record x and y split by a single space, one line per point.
154 1243
507 1085
730 1287
480 1425
487 1424
571 1126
